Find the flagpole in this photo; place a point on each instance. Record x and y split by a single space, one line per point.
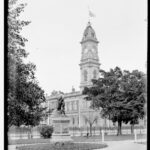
88 14
91 14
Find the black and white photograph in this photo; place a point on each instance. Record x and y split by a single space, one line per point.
76 75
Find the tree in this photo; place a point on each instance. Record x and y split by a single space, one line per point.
119 94
90 118
25 97
134 89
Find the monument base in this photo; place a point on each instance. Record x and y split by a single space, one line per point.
61 128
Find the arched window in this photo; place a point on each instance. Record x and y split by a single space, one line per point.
85 75
94 74
86 121
73 120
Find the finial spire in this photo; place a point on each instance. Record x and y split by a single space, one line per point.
89 23
73 89
91 14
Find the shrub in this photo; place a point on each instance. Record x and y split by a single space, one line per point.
46 131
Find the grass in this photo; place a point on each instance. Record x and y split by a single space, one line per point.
142 143
63 146
109 138
80 139
28 141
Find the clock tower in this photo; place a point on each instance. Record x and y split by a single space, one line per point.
89 64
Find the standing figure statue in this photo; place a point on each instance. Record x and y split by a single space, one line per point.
61 105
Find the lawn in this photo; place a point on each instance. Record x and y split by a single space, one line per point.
28 141
80 139
142 143
63 146
109 138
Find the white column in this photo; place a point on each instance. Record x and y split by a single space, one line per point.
135 136
79 114
102 135
108 123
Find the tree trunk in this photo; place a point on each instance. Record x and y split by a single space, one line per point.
132 128
119 128
29 132
90 129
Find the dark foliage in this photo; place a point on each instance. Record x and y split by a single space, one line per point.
120 95
25 97
46 131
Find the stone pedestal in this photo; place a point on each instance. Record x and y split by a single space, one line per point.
61 128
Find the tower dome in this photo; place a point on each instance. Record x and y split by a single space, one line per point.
89 34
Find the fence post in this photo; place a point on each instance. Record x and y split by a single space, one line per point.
102 135
135 136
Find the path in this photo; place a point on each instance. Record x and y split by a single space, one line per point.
124 145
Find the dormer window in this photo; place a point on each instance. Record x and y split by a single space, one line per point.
86 35
92 34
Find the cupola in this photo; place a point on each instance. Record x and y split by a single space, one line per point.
89 34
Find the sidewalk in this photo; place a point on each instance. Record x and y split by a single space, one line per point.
124 145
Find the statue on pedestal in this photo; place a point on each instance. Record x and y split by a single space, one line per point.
61 105
60 122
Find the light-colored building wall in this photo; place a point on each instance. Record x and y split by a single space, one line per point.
77 108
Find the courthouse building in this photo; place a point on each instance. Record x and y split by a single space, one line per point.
76 107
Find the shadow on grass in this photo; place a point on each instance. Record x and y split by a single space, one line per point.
145 143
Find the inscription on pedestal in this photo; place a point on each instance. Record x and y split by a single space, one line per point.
61 126
61 121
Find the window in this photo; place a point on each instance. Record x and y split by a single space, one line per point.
72 105
92 34
69 106
77 120
94 74
66 106
73 121
75 106
85 121
77 103
53 105
85 75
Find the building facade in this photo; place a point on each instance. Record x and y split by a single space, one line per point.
76 107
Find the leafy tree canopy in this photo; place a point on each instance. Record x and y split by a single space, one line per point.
120 95
25 97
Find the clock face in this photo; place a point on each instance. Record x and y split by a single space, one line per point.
93 50
85 50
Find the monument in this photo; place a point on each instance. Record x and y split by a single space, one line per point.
60 122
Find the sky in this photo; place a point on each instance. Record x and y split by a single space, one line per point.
56 30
